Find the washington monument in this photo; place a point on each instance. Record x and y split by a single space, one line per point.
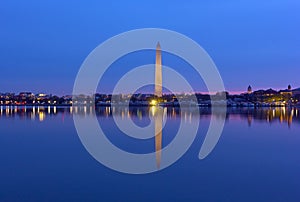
158 72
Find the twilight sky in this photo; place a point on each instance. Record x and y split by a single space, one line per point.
43 43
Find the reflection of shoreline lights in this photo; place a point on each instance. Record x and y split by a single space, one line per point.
128 114
287 115
42 116
185 117
7 110
33 114
290 119
173 113
107 111
91 109
123 115
139 114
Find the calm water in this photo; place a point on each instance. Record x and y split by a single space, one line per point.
256 158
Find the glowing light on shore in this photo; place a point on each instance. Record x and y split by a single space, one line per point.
153 102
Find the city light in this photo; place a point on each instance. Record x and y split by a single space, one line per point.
153 102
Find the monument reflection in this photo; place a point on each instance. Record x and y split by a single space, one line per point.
157 113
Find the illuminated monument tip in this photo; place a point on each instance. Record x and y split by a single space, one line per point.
158 46
158 72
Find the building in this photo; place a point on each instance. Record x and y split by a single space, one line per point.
287 92
249 89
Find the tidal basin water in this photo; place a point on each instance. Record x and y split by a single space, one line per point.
43 159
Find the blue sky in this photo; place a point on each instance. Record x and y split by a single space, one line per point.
43 43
